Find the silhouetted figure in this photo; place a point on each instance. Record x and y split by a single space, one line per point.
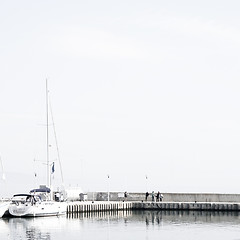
153 196
125 196
158 196
161 197
147 194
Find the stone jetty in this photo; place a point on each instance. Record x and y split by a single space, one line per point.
98 202
187 206
78 207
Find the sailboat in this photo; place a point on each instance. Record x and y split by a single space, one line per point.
32 205
3 208
39 202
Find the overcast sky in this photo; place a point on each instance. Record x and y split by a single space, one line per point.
137 88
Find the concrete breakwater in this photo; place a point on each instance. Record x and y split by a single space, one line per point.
81 207
187 206
168 197
98 202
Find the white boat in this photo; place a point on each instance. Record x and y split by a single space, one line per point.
3 208
39 202
32 205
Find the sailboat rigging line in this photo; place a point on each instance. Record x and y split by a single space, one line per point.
1 163
47 136
3 174
55 135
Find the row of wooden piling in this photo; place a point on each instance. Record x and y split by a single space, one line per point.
78 207
81 207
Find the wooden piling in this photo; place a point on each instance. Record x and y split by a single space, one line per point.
78 207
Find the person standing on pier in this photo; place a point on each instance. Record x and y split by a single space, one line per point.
161 197
153 196
158 196
125 196
147 194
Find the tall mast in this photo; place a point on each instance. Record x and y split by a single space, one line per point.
48 165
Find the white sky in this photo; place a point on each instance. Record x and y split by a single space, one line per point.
137 88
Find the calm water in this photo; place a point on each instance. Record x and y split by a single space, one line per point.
130 225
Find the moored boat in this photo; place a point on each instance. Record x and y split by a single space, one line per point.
39 202
32 205
36 204
3 208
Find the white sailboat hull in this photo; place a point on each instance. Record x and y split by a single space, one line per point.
3 208
46 208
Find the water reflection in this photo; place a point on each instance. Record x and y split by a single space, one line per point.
160 217
187 217
31 228
27 229
119 225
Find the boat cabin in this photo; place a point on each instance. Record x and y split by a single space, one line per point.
43 192
25 198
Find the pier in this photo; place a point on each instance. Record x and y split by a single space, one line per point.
81 207
98 202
